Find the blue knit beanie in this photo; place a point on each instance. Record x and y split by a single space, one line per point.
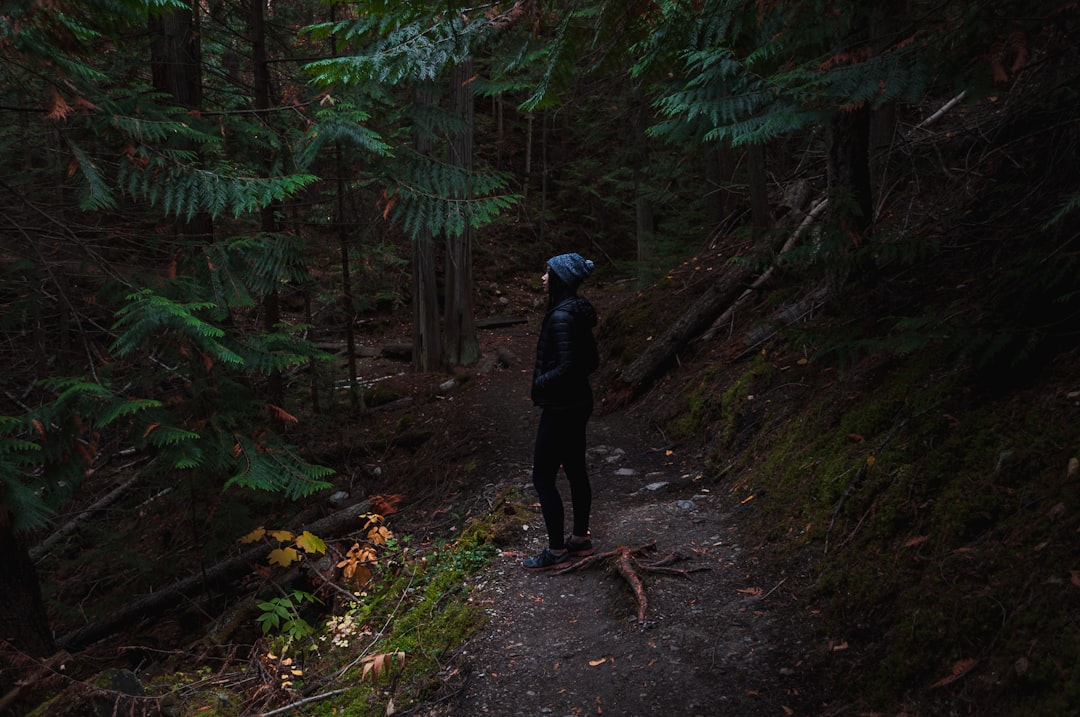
571 268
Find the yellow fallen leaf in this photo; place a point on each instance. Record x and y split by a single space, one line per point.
254 535
594 663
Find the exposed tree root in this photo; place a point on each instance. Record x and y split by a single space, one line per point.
626 563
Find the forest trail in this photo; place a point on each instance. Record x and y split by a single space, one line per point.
723 639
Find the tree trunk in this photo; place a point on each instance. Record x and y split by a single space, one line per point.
759 191
347 300
23 622
644 216
268 222
850 193
427 344
176 69
462 347
720 163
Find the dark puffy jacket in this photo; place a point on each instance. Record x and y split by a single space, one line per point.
565 355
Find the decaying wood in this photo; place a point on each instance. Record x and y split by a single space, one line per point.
734 283
499 322
729 313
626 563
662 350
39 550
45 668
220 575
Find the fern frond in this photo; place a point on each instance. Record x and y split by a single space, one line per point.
276 468
95 193
161 435
184 191
148 313
345 130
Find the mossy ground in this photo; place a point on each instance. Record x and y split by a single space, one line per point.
938 520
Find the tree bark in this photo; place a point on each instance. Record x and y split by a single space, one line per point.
462 347
428 352
176 69
23 622
268 221
759 191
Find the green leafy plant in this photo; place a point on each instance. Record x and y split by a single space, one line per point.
282 614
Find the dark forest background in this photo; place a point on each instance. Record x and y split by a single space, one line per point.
206 207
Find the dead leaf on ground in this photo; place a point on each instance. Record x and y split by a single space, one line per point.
959 669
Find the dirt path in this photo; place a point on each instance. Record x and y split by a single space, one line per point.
714 642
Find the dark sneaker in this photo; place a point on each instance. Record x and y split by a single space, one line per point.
579 548
546 560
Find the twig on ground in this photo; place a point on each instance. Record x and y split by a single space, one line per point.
625 559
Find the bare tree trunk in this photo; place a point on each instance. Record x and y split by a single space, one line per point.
427 354
176 69
644 216
462 347
720 163
759 191
346 284
24 624
268 216
851 197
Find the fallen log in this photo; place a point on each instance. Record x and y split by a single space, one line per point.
221 575
662 350
499 322
729 313
731 287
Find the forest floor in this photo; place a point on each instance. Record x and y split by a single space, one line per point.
717 626
727 636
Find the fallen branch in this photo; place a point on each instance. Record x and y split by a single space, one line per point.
625 560
626 569
39 551
728 289
220 575
729 313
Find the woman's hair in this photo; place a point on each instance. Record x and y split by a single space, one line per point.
558 290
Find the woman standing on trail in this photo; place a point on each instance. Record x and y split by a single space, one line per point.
565 356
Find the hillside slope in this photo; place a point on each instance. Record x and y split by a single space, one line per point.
908 446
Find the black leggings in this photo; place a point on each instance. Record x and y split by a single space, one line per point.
560 441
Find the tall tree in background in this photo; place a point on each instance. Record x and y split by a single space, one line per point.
462 348
426 333
406 46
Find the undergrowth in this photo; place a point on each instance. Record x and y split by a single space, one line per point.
387 644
